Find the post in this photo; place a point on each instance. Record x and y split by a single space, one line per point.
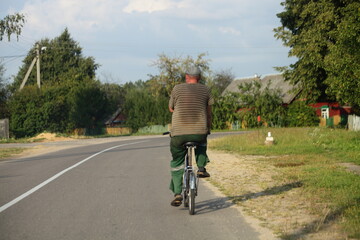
28 73
37 60
4 128
38 64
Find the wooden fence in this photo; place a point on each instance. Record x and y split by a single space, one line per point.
354 123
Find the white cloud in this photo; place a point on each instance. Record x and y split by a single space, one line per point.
201 30
148 6
48 17
229 30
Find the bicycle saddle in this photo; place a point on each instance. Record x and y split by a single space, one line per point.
191 144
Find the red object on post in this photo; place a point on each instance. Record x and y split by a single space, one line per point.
259 119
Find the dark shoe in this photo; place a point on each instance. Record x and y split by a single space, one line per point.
202 173
177 200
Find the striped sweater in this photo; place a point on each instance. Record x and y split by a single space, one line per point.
190 102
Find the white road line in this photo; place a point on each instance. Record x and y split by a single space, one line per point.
31 191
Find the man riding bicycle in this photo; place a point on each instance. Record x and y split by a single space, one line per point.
190 103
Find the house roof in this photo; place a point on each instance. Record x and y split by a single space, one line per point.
277 82
113 117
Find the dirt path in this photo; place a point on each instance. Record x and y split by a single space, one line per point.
261 191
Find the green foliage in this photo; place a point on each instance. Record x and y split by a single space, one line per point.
55 108
143 109
312 156
115 95
172 72
69 98
26 118
220 81
3 94
343 61
256 100
62 63
324 36
11 24
88 106
224 111
299 114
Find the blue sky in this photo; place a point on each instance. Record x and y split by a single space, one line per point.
126 36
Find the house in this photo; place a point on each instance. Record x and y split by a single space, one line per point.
115 124
117 119
276 82
330 113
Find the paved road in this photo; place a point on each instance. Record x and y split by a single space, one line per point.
113 190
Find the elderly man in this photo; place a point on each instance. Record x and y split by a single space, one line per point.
190 104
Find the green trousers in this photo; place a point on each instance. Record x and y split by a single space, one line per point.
178 153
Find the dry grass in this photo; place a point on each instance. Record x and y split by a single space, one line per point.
296 186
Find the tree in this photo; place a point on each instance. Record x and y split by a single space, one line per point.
70 96
256 100
115 95
62 63
4 93
224 111
343 61
25 108
299 114
324 36
306 27
87 106
220 81
142 108
11 24
172 72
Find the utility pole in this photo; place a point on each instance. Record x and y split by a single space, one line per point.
37 60
38 65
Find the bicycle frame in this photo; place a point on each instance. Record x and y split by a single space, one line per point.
190 180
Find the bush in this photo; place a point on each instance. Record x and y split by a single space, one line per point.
301 115
56 109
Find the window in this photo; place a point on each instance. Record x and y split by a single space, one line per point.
325 113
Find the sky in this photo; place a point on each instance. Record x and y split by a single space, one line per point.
126 36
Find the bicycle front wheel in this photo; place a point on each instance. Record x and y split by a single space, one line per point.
191 201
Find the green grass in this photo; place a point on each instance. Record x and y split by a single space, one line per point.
8 152
311 156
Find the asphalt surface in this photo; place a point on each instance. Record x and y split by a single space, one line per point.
113 190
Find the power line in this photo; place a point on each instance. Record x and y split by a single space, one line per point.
14 56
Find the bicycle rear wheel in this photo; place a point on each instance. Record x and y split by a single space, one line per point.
186 189
191 199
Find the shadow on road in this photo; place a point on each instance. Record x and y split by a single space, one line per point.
225 202
220 203
269 191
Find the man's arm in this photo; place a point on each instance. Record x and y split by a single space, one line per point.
171 109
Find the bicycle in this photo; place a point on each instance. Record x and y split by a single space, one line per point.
190 180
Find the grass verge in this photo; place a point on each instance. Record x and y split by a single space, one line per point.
309 158
8 152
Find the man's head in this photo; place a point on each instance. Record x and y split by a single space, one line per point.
193 74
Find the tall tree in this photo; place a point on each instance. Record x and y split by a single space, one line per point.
343 61
257 100
62 63
220 81
324 36
3 93
172 72
70 96
143 108
11 24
